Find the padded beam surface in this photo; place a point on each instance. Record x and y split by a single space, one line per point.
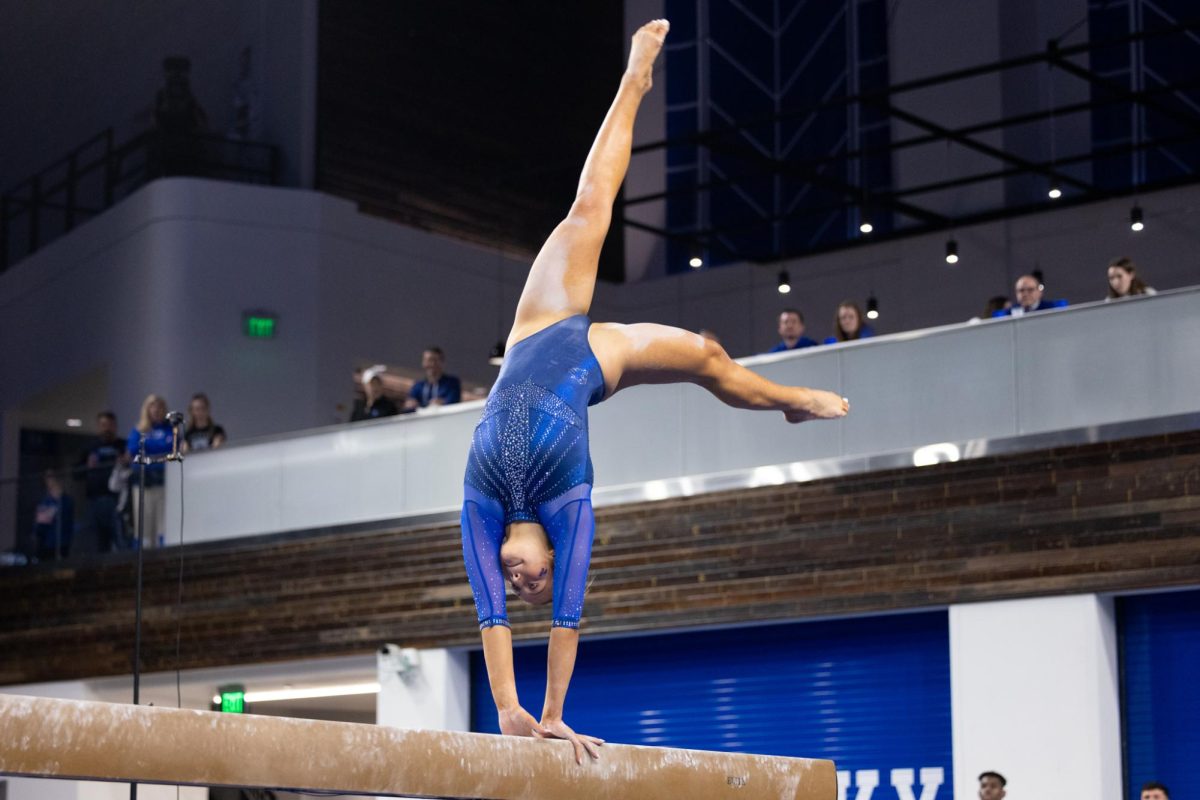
50 738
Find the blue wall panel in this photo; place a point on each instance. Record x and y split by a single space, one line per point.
872 694
1160 688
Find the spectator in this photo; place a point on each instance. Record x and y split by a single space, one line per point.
54 521
1123 280
154 429
997 303
1029 298
991 786
201 432
377 404
1155 791
99 460
118 484
848 324
791 332
438 389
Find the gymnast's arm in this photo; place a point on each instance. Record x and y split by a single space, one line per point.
497 654
630 355
561 663
482 531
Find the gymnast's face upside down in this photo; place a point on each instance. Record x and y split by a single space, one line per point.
528 562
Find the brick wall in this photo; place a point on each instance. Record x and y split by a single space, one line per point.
1114 516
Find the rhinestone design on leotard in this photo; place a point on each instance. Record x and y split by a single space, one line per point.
527 463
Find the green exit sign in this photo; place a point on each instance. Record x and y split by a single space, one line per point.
233 699
259 324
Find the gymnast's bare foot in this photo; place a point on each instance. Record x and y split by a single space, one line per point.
646 44
818 404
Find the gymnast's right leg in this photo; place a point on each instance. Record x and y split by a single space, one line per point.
563 276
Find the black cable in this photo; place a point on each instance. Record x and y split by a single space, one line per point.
137 625
179 599
179 605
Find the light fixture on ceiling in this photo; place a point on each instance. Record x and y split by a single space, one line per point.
785 282
496 356
872 307
1136 221
1055 191
74 422
951 251
865 226
697 258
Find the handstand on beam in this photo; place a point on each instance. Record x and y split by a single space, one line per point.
73 739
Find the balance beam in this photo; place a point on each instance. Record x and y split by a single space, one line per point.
75 739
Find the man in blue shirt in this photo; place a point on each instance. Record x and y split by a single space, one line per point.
1029 298
791 332
438 389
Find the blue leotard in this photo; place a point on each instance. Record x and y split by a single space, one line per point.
529 461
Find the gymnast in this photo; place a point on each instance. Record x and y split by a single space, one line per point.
527 513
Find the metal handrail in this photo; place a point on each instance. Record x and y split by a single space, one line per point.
68 186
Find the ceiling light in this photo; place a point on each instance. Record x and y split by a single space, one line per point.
951 251
1055 191
785 282
1135 218
74 422
872 307
865 226
496 357
695 262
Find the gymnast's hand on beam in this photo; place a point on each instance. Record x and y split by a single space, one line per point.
557 729
516 721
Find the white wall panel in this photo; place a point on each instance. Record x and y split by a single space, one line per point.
1034 692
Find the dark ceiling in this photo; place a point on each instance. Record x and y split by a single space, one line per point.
463 117
473 118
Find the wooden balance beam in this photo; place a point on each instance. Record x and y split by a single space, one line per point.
74 739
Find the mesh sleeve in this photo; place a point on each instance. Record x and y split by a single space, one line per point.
482 533
571 525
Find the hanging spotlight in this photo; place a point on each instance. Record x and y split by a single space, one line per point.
785 282
872 307
865 226
1055 190
496 357
1135 218
697 259
951 251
